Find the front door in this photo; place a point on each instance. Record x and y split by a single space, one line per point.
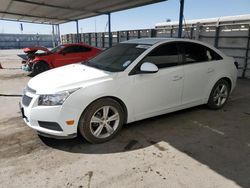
154 93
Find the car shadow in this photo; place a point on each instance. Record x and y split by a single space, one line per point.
218 139
225 147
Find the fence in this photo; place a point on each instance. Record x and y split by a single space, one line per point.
17 41
232 39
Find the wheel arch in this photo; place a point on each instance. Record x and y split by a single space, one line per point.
212 84
124 107
228 80
41 61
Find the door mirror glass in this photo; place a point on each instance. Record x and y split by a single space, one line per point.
148 67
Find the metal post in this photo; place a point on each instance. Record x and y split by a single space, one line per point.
59 35
139 34
127 35
217 32
118 36
103 40
171 31
152 33
89 36
96 40
197 33
181 18
246 56
53 35
77 32
110 34
191 31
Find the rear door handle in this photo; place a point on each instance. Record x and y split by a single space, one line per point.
209 70
176 78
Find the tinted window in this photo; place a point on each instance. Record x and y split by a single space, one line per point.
166 55
117 58
212 55
195 53
83 49
70 49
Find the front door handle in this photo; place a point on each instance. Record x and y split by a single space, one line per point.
209 70
176 78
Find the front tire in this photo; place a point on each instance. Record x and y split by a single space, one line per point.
219 95
39 67
101 121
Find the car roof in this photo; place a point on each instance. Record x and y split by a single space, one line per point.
150 41
81 44
155 41
73 44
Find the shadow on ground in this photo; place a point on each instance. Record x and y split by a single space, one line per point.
218 139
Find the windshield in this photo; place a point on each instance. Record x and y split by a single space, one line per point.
57 49
117 58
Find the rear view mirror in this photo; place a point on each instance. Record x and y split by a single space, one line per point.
148 68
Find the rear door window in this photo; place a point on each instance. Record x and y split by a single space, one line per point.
197 53
71 49
83 49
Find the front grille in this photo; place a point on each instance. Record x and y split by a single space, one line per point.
26 100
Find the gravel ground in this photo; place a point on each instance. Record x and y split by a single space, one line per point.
196 147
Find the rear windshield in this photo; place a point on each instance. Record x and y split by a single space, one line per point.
117 58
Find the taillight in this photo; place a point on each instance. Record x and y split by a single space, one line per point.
236 64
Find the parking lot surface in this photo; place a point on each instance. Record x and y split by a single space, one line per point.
196 147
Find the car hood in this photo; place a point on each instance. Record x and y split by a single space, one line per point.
35 49
68 77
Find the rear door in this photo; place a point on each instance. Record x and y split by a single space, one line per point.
199 69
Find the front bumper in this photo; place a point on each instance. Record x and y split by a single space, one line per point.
33 115
27 66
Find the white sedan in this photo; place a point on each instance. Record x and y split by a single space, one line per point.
133 80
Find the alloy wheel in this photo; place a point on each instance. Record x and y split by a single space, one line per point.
104 122
220 95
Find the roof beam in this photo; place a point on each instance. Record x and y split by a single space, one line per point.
33 16
59 7
33 22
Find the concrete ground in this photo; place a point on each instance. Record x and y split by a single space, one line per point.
196 147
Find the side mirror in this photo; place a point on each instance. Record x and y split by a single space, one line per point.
148 68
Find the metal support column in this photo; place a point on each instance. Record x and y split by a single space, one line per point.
171 31
110 33
217 33
77 32
59 35
246 56
181 18
53 35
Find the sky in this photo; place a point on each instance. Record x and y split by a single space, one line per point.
140 18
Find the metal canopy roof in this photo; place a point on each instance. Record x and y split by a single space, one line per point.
62 11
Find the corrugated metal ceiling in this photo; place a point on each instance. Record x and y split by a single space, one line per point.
62 11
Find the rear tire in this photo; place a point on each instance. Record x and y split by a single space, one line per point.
219 95
101 121
39 67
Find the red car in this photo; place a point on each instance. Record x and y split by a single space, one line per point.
59 56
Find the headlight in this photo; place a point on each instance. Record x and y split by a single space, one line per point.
54 99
